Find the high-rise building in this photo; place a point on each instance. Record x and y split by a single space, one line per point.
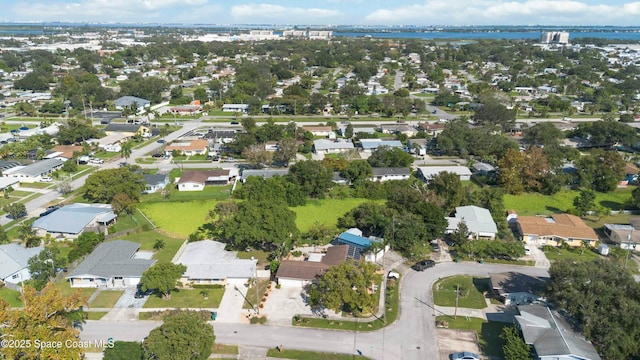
554 37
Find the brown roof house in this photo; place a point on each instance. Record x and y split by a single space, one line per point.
556 230
193 147
196 180
293 273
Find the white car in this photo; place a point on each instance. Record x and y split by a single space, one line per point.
96 161
46 179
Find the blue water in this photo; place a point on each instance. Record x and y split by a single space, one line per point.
506 35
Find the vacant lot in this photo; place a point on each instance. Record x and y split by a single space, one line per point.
487 332
325 211
178 218
187 298
470 292
535 204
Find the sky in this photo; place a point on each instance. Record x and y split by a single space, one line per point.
328 12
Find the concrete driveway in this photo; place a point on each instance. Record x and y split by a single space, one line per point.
126 307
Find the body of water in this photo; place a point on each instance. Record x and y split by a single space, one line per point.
506 35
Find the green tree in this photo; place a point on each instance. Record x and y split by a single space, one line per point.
124 350
162 277
84 244
287 149
371 218
313 177
461 235
514 347
47 316
15 210
408 233
122 203
125 150
600 171
584 201
345 287
542 134
28 235
4 238
385 156
448 187
42 267
492 113
185 335
357 171
101 186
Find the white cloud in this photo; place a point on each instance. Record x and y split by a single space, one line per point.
269 13
462 12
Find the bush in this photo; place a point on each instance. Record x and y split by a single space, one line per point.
278 286
263 320
254 320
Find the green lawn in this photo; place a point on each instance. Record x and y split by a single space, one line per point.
95 315
178 218
224 349
471 292
325 211
209 193
66 290
106 298
147 240
187 298
13 297
571 254
537 204
260 255
488 332
133 221
310 355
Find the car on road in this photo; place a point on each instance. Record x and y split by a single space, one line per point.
235 123
423 265
161 141
464 355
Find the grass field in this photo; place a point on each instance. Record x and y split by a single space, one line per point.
471 289
13 297
576 255
95 315
224 349
66 290
310 355
178 218
187 298
325 211
126 222
538 204
488 332
106 298
147 240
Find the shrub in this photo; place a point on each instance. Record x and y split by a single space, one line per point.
263 320
254 320
278 286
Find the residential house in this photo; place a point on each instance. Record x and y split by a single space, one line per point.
324 146
478 220
369 145
417 146
34 172
128 129
196 180
298 274
324 131
155 182
428 172
128 101
386 174
556 230
63 152
14 264
483 169
263 173
551 335
6 182
516 288
112 264
110 143
627 236
398 129
241 108
193 147
358 244
208 263
71 220
220 136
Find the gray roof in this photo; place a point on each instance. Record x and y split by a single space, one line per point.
129 100
5 165
324 144
72 219
483 167
478 220
113 258
381 171
40 167
207 259
371 144
155 179
551 335
14 257
263 173
133 128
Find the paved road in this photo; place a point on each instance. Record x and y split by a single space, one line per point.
412 336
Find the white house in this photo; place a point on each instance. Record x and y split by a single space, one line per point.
14 264
428 172
478 221
324 146
34 172
386 174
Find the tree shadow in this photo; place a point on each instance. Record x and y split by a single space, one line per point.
553 209
613 205
481 284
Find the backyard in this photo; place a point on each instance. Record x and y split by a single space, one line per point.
469 292
147 240
538 204
178 218
324 211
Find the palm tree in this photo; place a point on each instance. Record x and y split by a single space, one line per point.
28 235
125 150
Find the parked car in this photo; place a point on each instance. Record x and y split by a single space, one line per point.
50 209
46 179
96 161
464 355
435 245
423 265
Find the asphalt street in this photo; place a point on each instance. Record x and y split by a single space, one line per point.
412 336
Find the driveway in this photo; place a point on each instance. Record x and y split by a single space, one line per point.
127 307
539 257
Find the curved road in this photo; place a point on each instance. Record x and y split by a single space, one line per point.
412 336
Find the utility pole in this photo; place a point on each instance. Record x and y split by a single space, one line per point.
455 314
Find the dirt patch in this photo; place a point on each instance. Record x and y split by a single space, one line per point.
452 341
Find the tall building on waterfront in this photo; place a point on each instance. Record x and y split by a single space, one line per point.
554 37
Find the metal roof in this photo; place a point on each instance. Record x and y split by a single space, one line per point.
72 219
263 173
382 171
113 258
40 167
129 100
155 179
477 219
324 144
356 240
370 144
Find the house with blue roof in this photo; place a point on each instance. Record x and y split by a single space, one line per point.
71 220
369 145
356 242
